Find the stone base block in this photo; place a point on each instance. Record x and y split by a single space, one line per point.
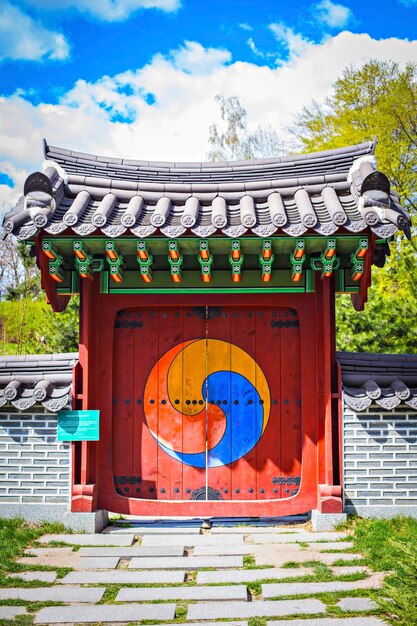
79 522
382 512
326 521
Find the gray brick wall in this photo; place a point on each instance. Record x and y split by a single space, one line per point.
34 466
380 458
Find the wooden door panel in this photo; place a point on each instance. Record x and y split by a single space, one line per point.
219 402
291 443
169 427
269 355
145 447
193 408
207 403
246 408
124 339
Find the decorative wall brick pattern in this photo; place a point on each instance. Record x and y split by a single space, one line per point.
380 457
35 468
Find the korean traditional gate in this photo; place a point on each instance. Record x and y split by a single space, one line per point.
207 403
207 327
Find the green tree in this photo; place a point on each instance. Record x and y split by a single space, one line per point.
379 99
232 141
27 323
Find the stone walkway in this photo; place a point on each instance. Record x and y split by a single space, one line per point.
189 574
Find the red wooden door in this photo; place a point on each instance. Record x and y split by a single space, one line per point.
207 403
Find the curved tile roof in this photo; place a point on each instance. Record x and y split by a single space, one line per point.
40 379
388 380
291 195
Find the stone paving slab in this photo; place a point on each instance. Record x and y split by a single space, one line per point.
187 562
297 537
167 530
53 594
189 540
89 539
330 557
255 530
231 623
45 577
138 551
329 621
357 604
225 550
350 569
124 577
331 545
282 553
141 532
251 575
10 612
215 610
234 592
53 557
273 590
105 613
99 562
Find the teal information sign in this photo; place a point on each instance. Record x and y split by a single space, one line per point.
79 426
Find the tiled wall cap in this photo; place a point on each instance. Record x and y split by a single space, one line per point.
277 209
161 212
247 211
104 210
42 390
189 217
372 390
219 219
370 216
41 217
132 212
386 379
12 390
308 217
389 402
400 389
77 208
333 205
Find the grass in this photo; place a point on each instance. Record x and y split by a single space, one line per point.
321 574
15 536
391 545
250 563
387 545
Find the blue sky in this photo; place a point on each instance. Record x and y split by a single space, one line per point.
138 78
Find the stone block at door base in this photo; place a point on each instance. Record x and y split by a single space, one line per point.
323 522
79 522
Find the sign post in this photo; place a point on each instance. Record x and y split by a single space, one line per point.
79 425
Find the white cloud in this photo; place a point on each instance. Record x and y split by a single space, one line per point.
332 14
245 26
254 48
294 42
195 59
107 10
175 125
23 38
